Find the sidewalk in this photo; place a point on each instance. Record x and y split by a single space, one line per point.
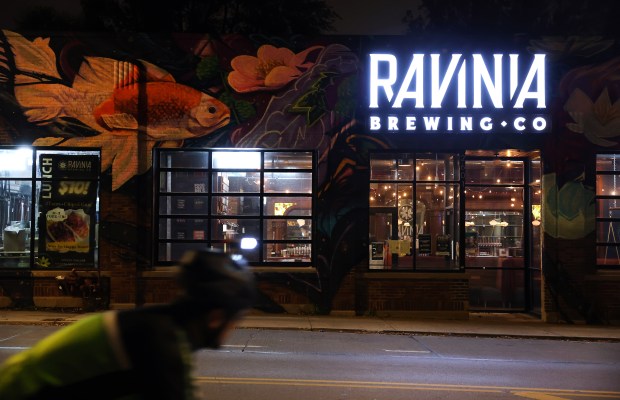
479 324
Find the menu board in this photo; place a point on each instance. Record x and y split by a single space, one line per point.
442 245
67 208
424 241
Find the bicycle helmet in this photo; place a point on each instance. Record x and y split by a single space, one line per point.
217 280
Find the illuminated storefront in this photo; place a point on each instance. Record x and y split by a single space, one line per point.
378 175
454 198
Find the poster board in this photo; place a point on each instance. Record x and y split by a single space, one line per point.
67 210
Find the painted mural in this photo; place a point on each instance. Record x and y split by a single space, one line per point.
588 116
129 95
196 91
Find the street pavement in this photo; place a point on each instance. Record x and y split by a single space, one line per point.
478 324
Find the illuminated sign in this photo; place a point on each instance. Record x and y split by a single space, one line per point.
457 93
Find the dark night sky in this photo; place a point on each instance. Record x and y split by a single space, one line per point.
358 16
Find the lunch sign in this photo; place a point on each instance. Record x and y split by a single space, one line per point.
67 208
456 92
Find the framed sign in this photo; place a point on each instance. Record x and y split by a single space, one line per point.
67 206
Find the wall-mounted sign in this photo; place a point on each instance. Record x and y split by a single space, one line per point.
457 93
67 208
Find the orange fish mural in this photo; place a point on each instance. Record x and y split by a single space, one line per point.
122 102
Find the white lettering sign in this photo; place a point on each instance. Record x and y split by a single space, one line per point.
455 83
486 77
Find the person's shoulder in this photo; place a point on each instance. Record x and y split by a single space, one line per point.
148 324
151 336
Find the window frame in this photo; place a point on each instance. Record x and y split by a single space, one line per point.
452 179
258 256
36 181
613 246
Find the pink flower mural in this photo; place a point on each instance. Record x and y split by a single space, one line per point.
271 69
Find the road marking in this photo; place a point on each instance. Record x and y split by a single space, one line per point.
8 338
554 395
531 393
347 384
13 348
242 346
538 396
406 351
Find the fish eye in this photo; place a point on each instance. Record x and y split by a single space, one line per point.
212 110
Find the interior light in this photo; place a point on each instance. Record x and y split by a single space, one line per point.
248 243
16 160
236 159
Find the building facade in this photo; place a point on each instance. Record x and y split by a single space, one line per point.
378 175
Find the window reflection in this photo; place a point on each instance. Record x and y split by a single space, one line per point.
288 182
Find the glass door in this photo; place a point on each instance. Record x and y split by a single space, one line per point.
383 224
495 237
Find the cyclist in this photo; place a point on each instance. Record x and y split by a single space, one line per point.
140 353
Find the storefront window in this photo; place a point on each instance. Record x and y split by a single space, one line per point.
608 210
264 194
48 207
414 211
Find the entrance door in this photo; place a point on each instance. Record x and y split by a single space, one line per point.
383 226
498 234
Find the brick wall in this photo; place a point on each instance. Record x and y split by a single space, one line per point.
604 291
118 242
154 290
584 294
428 294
